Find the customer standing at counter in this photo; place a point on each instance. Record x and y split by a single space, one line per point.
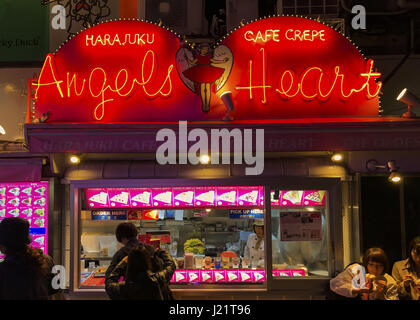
25 273
407 272
126 234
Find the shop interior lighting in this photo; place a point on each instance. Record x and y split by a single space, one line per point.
204 159
2 131
410 100
337 157
74 159
372 166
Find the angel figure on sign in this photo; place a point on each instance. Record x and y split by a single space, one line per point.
199 70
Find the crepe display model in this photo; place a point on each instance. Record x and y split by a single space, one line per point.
206 197
3 213
2 201
315 196
14 212
27 201
219 276
40 202
15 191
186 197
143 197
100 198
14 202
39 212
250 196
258 276
40 241
40 190
205 276
165 197
228 196
232 276
121 198
179 276
28 191
245 276
39 222
293 196
193 276
3 191
27 212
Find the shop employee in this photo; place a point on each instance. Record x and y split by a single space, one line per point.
254 249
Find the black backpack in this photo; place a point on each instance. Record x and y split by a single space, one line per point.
331 295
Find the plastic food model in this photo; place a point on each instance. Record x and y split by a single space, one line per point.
194 246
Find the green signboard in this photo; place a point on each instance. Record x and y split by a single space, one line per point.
24 31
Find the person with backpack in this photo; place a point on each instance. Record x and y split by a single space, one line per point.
126 234
376 284
25 273
140 282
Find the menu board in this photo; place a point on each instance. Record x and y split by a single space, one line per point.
230 275
28 200
301 226
181 197
298 198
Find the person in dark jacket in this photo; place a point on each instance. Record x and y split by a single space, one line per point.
126 233
140 282
25 273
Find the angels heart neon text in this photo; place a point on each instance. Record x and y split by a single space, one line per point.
291 86
98 85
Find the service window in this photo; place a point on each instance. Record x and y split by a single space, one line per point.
215 234
299 233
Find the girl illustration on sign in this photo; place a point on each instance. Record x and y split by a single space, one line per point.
200 70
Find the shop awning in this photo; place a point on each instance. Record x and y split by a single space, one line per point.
281 135
17 169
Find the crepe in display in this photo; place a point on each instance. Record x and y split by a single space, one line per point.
3 213
228 196
15 191
14 212
193 276
28 191
205 276
14 202
258 276
186 197
121 198
315 196
206 197
293 196
2 191
40 190
232 276
40 241
40 202
2 201
165 197
27 201
218 276
27 212
100 198
250 196
245 276
179 276
143 197
39 222
39 212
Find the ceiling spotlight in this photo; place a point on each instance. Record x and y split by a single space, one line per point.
74 159
337 157
410 100
204 159
2 131
372 165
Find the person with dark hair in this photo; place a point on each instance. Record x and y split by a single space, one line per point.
126 234
140 282
25 273
378 284
407 272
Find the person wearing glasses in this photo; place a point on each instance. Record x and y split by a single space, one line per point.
407 272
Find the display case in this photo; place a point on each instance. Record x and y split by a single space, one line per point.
208 230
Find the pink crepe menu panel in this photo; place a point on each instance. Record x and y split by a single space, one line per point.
314 197
140 197
248 196
291 198
245 275
232 276
206 276
220 275
226 196
193 276
119 197
258 275
180 276
162 197
204 196
183 196
97 198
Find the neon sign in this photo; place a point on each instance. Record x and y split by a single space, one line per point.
280 67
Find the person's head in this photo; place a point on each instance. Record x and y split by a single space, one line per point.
204 48
414 252
14 235
125 232
139 260
375 261
258 227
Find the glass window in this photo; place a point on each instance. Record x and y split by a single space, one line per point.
215 234
299 233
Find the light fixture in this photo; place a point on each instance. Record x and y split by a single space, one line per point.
310 209
410 100
204 159
2 131
208 210
228 102
372 165
74 159
337 157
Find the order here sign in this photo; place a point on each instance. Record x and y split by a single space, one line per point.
278 67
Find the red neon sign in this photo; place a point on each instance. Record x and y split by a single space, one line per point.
123 71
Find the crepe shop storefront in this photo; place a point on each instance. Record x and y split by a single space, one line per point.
267 105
